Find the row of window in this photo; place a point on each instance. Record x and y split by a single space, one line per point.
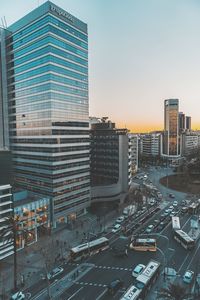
46 29
44 20
50 150
48 77
52 158
51 167
50 141
44 50
48 86
49 177
52 96
38 132
48 59
55 41
50 67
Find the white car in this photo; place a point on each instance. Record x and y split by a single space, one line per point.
120 219
149 229
18 296
138 270
55 272
188 276
116 228
175 203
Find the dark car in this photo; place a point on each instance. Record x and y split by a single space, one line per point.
161 226
162 217
114 286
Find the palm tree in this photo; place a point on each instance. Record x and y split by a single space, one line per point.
174 292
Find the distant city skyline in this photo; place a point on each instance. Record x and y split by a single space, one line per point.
140 53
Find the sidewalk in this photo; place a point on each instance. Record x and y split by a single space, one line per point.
50 249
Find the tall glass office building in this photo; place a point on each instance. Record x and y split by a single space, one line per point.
47 73
171 139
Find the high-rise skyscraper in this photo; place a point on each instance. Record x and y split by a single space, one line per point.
171 140
181 122
188 123
47 75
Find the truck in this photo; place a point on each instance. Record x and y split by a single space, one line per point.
129 211
176 223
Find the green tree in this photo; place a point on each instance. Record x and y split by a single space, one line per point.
174 292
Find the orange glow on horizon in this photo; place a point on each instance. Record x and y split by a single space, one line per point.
145 128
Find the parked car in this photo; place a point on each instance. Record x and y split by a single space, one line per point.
149 229
55 272
120 219
171 195
162 217
175 203
116 228
138 270
171 208
188 276
114 286
173 213
156 223
18 296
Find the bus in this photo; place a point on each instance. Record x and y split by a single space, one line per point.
89 248
184 239
148 277
132 293
176 223
143 245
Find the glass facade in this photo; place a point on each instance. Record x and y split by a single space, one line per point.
47 67
171 130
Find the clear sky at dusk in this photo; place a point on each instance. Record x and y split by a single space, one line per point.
140 53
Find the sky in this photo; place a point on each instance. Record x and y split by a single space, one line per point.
140 53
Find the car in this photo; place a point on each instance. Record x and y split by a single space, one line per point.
188 276
184 209
171 207
171 195
18 296
175 203
55 272
156 223
161 226
149 229
116 228
173 213
138 270
166 212
120 219
162 217
114 286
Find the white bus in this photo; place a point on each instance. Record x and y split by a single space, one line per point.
184 239
176 223
143 245
132 293
148 277
89 248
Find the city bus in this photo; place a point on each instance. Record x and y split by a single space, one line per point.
147 278
143 245
176 223
184 239
91 247
133 293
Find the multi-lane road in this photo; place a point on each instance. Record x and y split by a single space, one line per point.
89 279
